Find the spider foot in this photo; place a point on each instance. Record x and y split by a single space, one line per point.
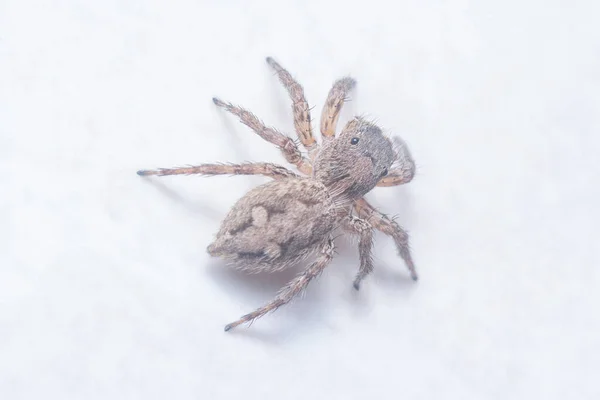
240 321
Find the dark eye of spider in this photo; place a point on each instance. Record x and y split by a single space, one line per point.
354 140
385 172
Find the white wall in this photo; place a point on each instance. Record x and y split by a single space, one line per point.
106 290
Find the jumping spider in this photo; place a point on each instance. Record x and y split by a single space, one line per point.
284 221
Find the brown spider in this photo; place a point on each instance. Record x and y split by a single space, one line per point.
282 222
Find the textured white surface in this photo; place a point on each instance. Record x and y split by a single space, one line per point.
105 287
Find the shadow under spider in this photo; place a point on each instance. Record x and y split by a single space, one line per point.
314 310
306 312
195 206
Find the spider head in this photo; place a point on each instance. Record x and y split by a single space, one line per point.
356 159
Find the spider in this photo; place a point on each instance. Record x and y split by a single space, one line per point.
293 217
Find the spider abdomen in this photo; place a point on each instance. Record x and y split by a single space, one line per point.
275 225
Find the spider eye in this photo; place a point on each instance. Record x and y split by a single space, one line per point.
385 172
354 140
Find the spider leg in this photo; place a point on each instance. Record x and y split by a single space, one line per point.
301 110
271 170
365 231
403 168
395 177
381 222
287 146
333 105
293 288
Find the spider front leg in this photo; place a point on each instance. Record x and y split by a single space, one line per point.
365 245
403 168
301 110
333 105
271 170
292 289
381 222
396 177
287 146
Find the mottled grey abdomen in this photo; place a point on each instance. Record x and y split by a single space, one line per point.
275 225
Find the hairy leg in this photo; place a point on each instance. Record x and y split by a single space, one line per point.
365 245
292 289
301 110
403 168
287 146
333 105
381 222
396 177
271 170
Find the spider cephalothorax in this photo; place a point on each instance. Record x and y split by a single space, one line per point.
293 217
355 160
